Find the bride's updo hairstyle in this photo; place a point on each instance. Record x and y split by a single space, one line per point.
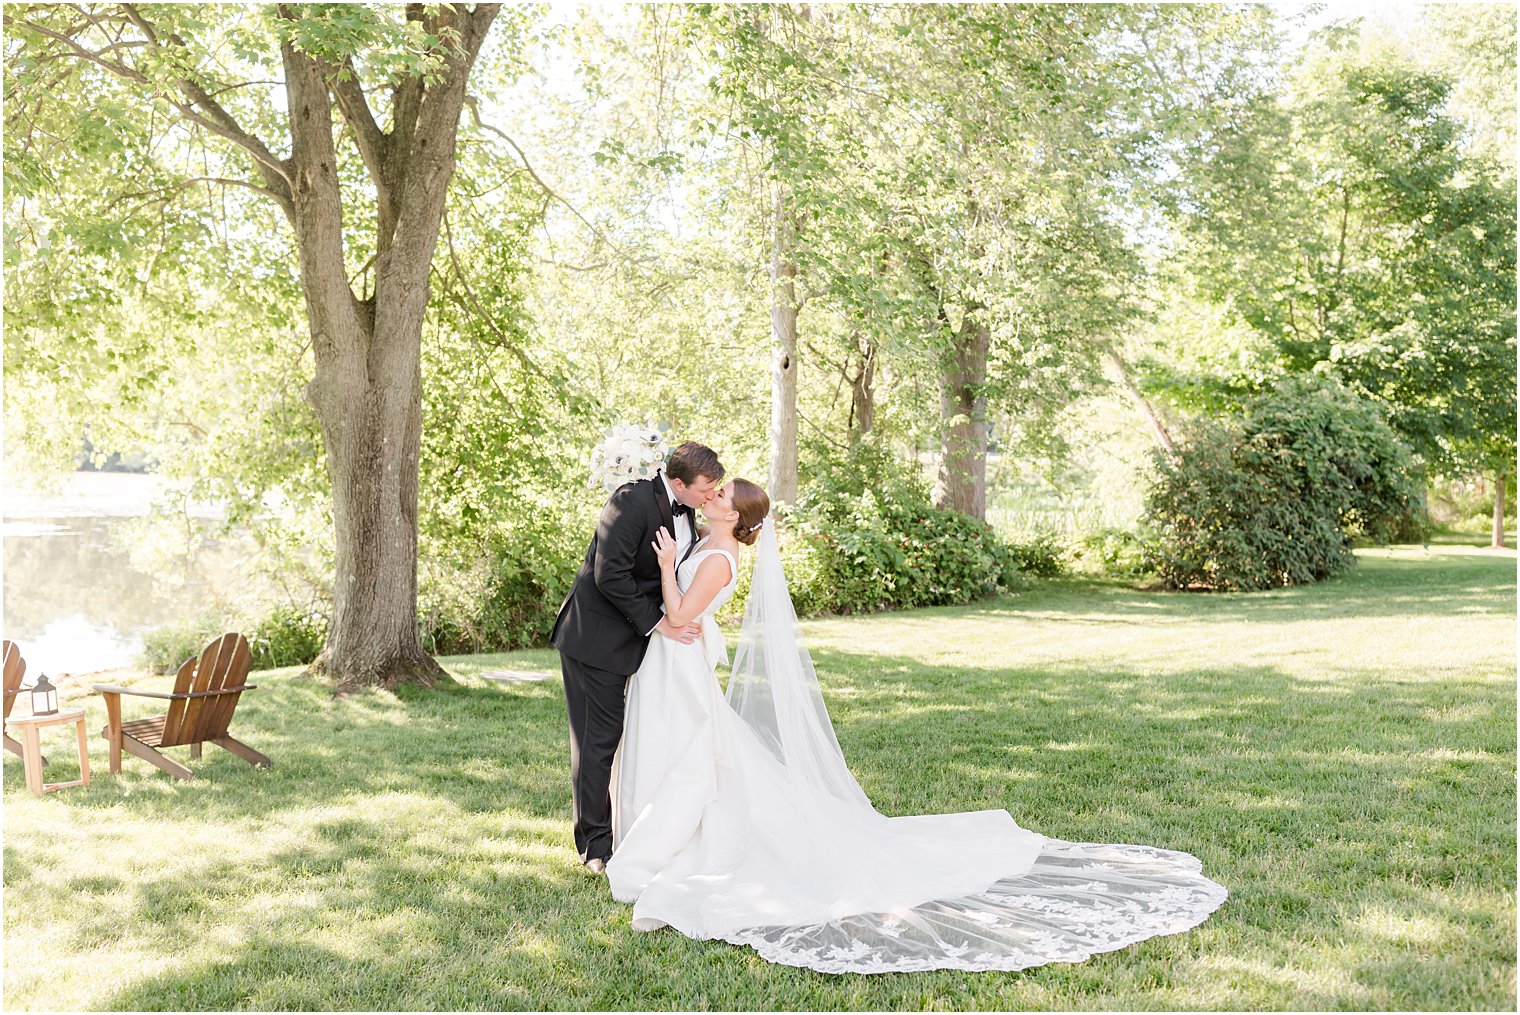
753 505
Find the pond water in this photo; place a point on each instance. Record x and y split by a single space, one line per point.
82 583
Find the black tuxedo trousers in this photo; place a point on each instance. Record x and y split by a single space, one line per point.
602 632
595 698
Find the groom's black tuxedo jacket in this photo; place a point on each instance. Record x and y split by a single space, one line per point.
615 600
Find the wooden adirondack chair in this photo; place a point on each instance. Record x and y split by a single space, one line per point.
15 669
206 692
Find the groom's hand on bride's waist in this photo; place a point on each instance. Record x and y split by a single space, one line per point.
685 634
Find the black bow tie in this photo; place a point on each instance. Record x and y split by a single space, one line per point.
678 509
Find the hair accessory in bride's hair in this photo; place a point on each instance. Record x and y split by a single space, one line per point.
753 506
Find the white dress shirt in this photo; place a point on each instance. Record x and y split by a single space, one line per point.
685 532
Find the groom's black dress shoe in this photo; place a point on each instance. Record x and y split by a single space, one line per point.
596 865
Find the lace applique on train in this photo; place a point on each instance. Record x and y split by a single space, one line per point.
738 819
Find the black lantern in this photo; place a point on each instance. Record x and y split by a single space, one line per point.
44 697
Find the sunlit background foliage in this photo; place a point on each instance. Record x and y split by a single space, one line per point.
1154 217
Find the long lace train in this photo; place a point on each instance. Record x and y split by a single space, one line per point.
739 820
1079 899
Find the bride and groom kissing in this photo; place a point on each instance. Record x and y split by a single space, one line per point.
730 813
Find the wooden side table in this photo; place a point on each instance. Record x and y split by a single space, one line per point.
31 747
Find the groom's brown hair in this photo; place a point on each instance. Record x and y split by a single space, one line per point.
691 460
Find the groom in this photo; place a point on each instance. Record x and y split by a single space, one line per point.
604 625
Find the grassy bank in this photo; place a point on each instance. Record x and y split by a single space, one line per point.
1340 756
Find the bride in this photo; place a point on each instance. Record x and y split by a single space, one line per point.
736 818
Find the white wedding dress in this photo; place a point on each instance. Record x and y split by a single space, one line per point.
743 824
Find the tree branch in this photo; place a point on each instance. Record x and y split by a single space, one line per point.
186 184
335 314
225 123
371 140
215 119
122 70
472 308
406 101
1158 425
430 150
473 104
438 113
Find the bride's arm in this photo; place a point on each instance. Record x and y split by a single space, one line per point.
709 581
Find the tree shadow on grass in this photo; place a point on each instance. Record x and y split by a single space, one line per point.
1318 842
432 868
413 850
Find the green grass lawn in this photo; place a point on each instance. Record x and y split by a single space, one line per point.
1340 756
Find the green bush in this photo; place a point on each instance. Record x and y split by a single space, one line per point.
285 636
1115 553
165 647
863 536
1353 463
507 597
953 558
1039 557
876 557
1275 497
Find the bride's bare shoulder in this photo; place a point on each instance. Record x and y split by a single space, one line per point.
727 558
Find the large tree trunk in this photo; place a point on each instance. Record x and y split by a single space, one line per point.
372 431
784 308
962 483
1496 540
367 388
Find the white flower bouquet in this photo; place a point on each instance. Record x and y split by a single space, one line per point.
628 453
